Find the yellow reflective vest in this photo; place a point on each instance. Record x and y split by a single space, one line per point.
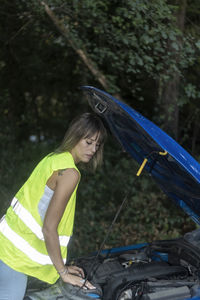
22 245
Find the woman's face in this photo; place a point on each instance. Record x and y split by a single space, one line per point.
85 149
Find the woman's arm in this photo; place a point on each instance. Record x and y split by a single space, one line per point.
66 181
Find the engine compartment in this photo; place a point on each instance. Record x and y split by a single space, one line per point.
160 270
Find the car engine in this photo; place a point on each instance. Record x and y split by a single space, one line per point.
161 270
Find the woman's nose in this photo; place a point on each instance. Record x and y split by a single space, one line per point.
94 148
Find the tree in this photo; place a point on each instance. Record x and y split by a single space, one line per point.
136 46
125 42
169 86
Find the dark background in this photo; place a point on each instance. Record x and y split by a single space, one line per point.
143 52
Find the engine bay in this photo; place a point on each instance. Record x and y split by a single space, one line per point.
160 270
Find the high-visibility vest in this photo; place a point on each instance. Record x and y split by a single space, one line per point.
22 245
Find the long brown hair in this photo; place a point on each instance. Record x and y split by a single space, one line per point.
85 126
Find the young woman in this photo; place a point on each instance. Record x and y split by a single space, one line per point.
37 227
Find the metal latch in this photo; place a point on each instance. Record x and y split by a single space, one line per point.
146 160
101 107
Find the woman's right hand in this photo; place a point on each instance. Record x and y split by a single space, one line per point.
76 280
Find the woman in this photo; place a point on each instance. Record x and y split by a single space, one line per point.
37 227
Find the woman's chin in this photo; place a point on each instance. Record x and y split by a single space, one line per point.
85 160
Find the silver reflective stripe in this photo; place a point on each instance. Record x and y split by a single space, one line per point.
30 222
27 218
44 202
24 246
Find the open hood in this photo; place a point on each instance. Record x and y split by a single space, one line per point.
172 167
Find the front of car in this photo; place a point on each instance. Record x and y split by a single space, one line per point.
159 270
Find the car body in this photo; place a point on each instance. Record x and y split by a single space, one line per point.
159 270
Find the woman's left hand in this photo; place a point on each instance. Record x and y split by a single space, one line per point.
76 271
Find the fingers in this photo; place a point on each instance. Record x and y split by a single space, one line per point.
76 277
87 284
76 270
75 280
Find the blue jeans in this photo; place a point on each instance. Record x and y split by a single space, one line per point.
12 283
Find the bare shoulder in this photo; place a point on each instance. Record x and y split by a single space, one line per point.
68 174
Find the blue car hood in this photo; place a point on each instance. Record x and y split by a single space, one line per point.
172 167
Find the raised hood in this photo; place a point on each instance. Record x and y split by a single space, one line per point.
172 167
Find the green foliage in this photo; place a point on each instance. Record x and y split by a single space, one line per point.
127 40
39 78
134 36
36 74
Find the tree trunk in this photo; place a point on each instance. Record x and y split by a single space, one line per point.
170 89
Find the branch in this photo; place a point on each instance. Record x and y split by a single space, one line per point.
82 54
19 31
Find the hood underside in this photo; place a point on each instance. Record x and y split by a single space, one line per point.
172 167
